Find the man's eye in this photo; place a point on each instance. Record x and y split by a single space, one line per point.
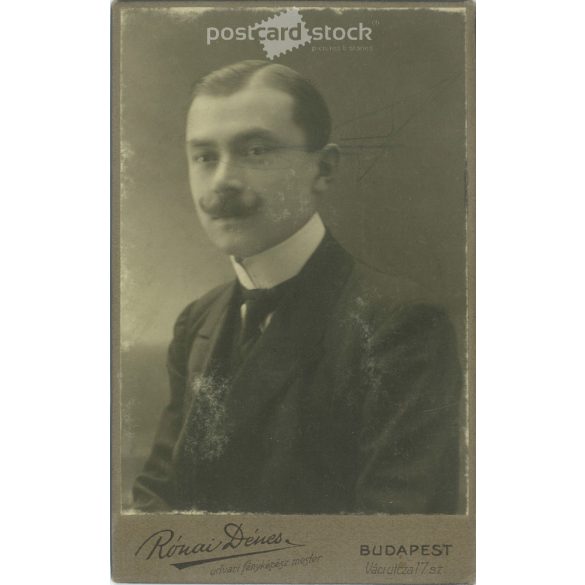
257 150
204 158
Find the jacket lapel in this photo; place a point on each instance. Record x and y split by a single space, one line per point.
292 340
204 350
205 353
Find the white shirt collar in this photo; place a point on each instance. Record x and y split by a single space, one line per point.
283 261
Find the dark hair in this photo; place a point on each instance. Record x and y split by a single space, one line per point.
310 110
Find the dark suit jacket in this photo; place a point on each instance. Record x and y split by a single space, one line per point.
348 402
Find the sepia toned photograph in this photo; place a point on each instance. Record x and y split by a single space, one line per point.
293 278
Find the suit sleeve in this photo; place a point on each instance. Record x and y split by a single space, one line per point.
409 437
153 489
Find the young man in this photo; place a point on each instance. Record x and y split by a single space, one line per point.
310 384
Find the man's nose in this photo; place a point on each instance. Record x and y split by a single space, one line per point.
228 177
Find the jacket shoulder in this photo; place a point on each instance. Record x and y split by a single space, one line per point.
377 290
383 305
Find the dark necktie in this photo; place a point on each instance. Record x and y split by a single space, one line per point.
259 304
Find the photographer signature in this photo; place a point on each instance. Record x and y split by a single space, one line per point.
165 544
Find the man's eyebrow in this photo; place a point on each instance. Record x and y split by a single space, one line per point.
196 142
244 136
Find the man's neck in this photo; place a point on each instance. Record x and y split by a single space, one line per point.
283 261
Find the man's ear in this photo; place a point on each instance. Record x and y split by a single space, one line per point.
327 163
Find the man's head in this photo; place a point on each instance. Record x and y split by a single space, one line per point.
258 154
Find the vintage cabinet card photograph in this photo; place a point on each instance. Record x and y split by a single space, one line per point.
293 292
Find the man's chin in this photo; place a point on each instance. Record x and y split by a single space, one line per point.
236 242
243 237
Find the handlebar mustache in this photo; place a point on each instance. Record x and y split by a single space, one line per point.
229 207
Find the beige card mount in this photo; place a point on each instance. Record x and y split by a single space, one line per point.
293 292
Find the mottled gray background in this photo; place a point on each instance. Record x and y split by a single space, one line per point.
399 202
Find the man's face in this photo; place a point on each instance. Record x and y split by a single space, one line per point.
251 178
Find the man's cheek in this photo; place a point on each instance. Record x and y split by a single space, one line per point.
196 191
280 208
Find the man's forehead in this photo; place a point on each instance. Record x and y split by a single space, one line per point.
218 116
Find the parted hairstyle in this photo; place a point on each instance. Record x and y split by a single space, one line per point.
310 111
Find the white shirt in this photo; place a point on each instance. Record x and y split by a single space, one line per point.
281 262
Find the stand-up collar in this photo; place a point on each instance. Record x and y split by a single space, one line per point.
283 261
